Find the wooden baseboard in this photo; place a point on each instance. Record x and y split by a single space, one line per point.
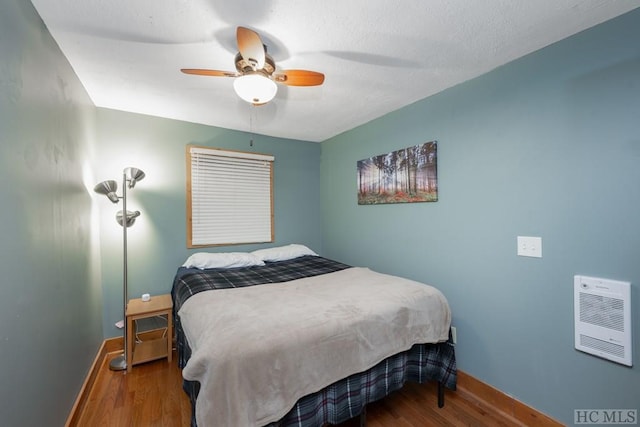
114 345
490 397
109 346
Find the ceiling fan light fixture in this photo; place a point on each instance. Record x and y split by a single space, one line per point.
255 88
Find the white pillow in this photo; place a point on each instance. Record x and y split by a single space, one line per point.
282 253
204 260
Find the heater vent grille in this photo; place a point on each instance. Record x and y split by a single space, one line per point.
596 344
602 311
602 316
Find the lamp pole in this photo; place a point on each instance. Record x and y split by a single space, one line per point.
120 363
108 188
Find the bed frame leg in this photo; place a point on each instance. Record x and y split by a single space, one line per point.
440 394
363 417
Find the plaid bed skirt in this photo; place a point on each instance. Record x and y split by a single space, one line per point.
346 398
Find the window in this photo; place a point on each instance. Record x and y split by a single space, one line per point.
229 197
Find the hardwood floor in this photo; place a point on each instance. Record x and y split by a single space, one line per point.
151 395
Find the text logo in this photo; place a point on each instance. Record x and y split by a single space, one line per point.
605 416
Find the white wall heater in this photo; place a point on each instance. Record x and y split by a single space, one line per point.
602 311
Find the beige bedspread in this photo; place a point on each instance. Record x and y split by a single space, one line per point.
257 350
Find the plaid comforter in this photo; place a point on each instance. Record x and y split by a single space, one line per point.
343 399
190 281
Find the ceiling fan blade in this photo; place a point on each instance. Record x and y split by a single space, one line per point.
299 78
251 47
213 73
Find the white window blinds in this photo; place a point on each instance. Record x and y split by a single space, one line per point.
229 197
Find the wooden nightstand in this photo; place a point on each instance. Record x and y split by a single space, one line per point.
153 340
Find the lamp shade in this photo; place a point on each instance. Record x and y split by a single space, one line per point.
131 217
108 188
255 88
133 175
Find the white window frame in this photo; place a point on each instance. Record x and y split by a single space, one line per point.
229 197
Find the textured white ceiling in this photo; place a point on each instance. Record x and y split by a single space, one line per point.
377 55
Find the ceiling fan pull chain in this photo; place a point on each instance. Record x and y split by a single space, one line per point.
251 110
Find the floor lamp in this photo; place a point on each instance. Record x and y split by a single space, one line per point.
108 188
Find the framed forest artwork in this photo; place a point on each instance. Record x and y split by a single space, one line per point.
403 176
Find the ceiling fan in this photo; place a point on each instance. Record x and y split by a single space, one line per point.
256 75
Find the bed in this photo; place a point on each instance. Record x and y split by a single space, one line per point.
296 339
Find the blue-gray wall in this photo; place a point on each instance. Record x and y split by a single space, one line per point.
547 146
157 241
50 296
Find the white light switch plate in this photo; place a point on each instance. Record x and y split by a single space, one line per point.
530 246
